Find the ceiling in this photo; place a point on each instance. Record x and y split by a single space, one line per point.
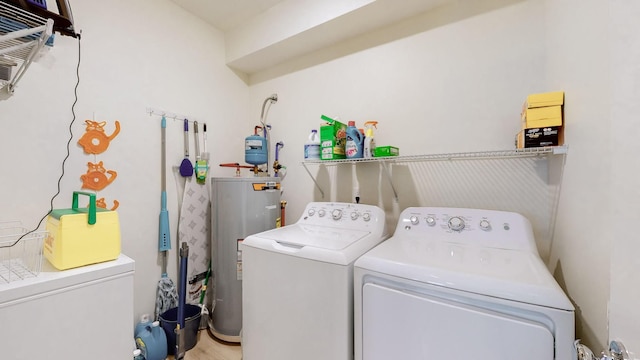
226 14
267 38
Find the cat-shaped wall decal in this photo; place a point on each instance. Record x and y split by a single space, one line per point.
96 178
95 140
101 203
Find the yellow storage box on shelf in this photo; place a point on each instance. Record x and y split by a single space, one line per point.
79 237
542 120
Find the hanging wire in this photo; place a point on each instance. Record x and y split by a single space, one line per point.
75 92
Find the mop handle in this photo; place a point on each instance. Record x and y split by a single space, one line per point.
184 255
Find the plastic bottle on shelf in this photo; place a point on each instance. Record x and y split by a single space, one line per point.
355 142
369 141
312 146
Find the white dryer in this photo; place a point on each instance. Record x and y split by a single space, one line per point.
460 284
297 287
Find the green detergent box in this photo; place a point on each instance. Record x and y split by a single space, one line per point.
382 151
333 138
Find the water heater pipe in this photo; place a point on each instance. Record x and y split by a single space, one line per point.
263 117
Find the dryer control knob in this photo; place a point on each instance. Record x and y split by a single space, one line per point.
354 216
336 214
366 217
456 223
321 213
431 221
311 212
485 225
414 220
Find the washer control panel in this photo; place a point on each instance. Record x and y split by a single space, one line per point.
488 228
351 216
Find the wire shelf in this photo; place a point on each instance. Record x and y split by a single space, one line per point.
501 154
22 36
20 258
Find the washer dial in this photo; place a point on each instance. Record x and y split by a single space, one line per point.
354 216
321 213
414 220
456 223
366 216
336 214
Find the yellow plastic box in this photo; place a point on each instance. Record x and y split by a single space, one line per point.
79 237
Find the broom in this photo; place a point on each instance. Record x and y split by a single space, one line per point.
166 294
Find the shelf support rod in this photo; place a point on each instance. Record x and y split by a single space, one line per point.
386 171
314 180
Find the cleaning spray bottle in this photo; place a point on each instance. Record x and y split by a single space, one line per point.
369 141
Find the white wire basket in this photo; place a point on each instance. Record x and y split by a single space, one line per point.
20 254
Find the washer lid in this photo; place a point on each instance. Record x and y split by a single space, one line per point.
322 243
508 274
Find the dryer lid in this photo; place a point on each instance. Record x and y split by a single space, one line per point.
508 274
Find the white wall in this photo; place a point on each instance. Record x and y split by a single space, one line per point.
624 322
134 55
431 92
578 62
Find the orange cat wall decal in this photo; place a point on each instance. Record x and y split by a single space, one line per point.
101 203
96 177
95 140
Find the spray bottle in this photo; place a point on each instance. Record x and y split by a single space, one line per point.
369 141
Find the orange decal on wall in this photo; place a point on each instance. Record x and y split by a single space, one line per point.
101 203
96 178
95 140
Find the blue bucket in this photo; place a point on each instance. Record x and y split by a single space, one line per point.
169 321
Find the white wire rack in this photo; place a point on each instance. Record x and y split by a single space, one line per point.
22 37
20 254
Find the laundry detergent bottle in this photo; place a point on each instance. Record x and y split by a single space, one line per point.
145 320
312 146
369 141
152 342
355 142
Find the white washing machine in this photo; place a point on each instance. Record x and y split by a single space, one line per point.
297 288
460 284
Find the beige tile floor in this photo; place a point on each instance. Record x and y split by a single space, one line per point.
210 348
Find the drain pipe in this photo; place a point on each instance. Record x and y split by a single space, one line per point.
276 163
266 128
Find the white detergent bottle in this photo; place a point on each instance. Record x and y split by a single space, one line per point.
369 141
312 146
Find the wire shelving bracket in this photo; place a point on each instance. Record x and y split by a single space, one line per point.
22 37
